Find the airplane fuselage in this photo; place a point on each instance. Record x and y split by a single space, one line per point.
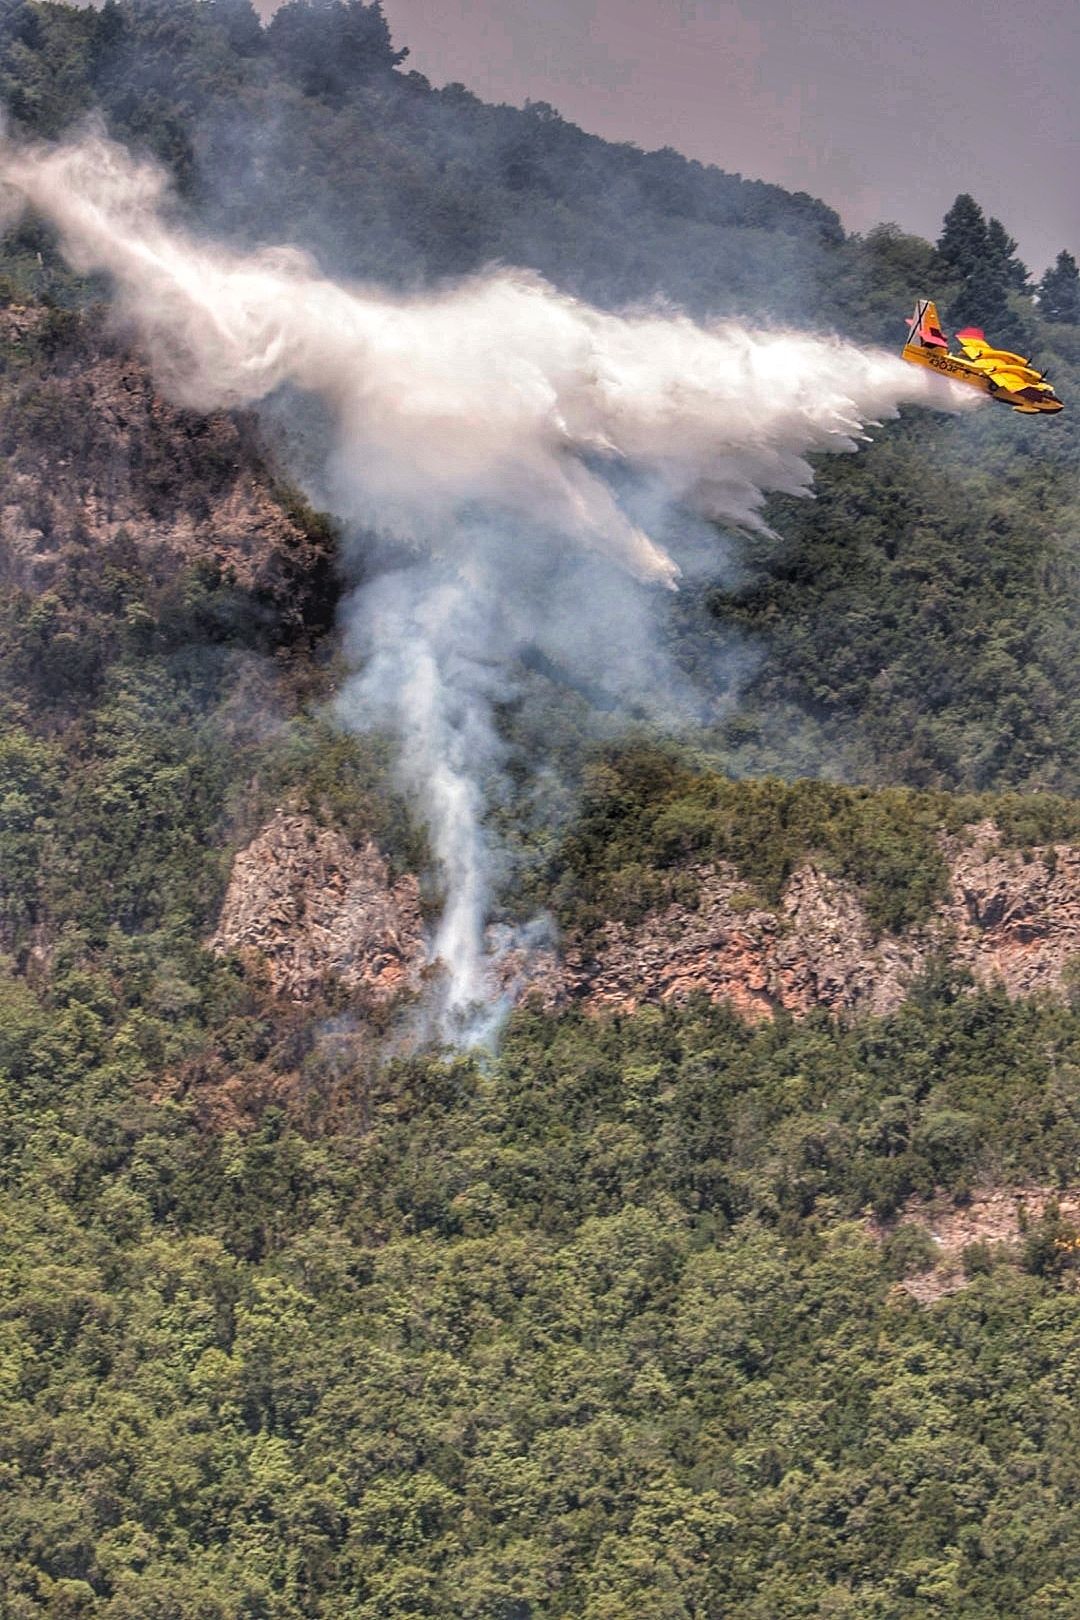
1030 399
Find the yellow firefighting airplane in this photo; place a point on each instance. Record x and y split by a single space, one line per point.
1008 378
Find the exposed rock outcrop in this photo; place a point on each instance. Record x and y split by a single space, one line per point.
94 456
1012 918
1016 916
315 909
311 908
817 950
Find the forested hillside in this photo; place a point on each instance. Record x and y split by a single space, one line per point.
315 132
917 623
653 1315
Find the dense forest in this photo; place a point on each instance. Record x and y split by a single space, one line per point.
598 1331
615 1321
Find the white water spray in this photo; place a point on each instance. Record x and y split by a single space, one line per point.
479 425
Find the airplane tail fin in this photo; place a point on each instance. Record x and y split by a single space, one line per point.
925 327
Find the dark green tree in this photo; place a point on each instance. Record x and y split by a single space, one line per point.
964 243
1003 252
241 23
1059 291
979 256
983 300
328 46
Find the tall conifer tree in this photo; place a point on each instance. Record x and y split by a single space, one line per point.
1059 291
979 256
964 242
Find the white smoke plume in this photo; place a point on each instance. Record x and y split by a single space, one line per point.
487 426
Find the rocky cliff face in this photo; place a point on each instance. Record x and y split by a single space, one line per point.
1012 918
314 909
1015 917
94 455
816 950
310 909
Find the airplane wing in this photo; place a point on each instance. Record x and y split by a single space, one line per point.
1007 373
1028 397
1015 382
972 339
973 342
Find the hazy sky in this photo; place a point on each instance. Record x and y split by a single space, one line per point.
885 108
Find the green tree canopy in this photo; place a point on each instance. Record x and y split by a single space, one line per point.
328 46
964 242
979 255
1059 291
1003 253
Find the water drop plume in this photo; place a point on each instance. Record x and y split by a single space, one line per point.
493 427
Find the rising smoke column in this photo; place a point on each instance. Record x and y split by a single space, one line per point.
481 426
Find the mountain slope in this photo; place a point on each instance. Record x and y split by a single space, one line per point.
663 1312
325 137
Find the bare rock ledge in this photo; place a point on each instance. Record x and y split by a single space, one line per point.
314 908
